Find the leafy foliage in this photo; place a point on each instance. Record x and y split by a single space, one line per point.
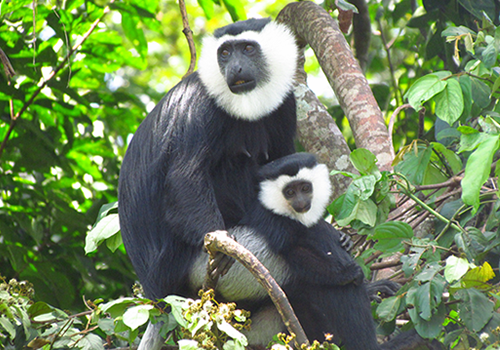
86 73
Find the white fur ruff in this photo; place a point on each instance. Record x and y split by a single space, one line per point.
271 194
280 52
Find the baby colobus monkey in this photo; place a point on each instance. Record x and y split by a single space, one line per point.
285 230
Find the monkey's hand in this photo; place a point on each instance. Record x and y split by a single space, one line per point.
381 289
219 265
345 241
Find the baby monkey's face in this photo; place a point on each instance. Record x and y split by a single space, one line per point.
299 195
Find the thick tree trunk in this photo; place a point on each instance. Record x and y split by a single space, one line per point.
312 25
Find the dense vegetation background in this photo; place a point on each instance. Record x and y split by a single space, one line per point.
79 76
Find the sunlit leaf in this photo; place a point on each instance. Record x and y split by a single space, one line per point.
477 170
455 268
450 102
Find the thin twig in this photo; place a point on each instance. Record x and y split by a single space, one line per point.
419 219
393 119
397 93
373 257
384 264
34 33
7 66
51 76
189 36
454 181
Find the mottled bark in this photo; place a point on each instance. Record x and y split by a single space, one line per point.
312 25
319 134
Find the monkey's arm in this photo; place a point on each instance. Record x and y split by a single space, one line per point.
324 268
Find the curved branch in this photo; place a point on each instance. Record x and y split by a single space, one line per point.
189 37
219 241
311 24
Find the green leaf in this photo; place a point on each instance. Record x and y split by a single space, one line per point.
388 308
131 28
410 261
367 212
470 141
104 229
489 55
235 9
429 329
90 341
455 268
480 93
208 8
39 308
177 303
390 236
429 272
478 276
456 31
7 325
477 170
424 89
414 166
137 315
450 102
364 186
188 344
105 209
449 156
475 308
365 162
114 242
117 307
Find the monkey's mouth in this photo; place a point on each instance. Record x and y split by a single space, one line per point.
241 86
301 209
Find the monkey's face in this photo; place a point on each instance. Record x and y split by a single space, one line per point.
242 64
299 195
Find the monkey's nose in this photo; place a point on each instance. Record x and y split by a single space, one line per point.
302 207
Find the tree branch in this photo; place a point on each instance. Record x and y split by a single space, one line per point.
313 25
219 241
189 37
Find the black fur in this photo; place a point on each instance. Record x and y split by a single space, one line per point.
187 172
324 284
252 24
287 166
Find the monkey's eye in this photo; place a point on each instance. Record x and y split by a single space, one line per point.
306 188
225 53
289 193
249 48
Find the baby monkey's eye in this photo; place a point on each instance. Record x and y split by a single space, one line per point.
249 48
289 193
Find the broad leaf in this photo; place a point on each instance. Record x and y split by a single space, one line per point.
478 169
365 162
475 308
424 89
137 315
455 268
390 236
450 102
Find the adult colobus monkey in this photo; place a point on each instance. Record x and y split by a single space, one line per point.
190 167
285 230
